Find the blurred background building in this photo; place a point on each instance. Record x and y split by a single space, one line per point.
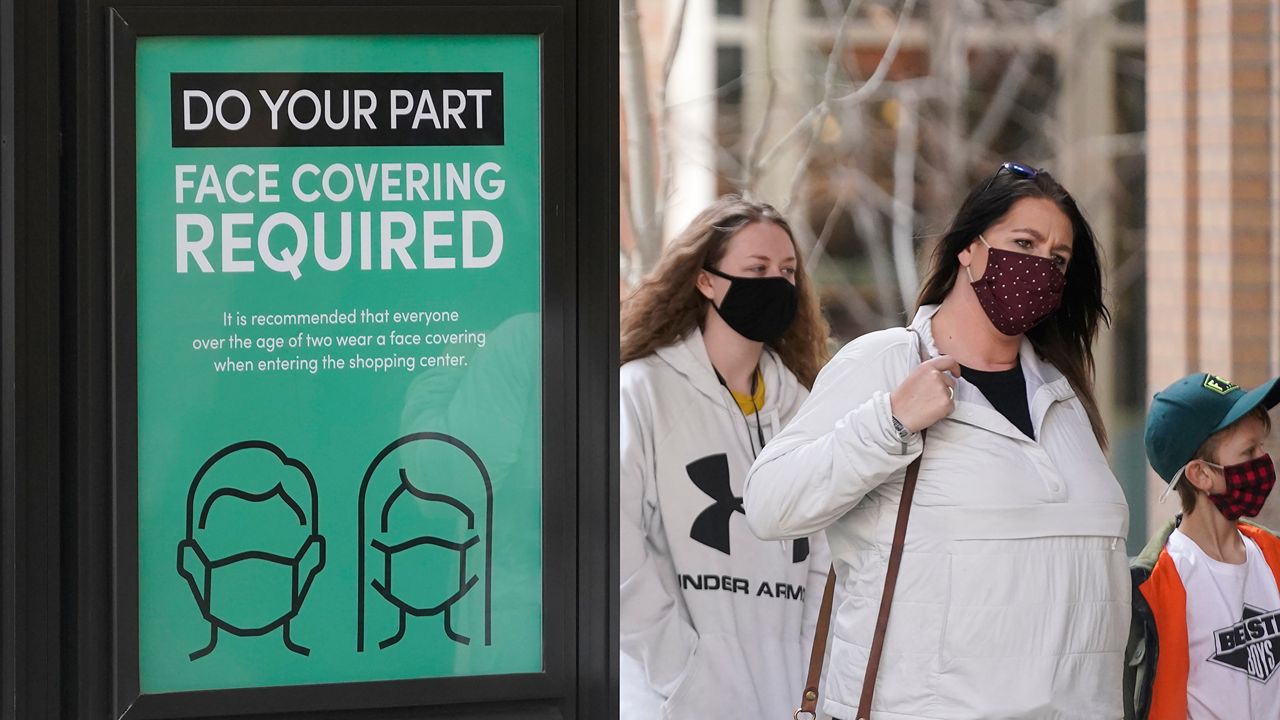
867 121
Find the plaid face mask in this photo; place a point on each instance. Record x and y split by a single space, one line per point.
1248 485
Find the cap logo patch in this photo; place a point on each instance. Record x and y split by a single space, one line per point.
1222 386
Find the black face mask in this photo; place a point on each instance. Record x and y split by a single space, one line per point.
759 309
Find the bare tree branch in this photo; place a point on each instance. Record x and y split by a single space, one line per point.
819 113
801 124
904 198
1004 102
847 294
757 141
839 149
635 101
673 45
664 144
870 231
828 225
1124 275
946 122
886 60
832 9
866 202
816 112
868 188
829 82
846 290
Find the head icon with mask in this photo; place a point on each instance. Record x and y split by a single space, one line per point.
252 546
425 530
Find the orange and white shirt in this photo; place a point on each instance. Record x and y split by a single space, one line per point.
1218 630
1233 632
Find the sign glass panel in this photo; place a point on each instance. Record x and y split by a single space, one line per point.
339 359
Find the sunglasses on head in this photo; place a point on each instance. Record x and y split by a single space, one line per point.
1017 169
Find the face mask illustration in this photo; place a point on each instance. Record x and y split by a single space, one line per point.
231 555
251 591
432 576
426 523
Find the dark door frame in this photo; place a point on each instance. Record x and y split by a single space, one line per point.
56 433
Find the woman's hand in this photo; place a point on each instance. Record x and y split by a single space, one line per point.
927 395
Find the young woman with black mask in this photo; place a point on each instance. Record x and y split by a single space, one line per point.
719 345
1012 594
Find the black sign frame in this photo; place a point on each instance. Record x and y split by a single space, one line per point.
536 693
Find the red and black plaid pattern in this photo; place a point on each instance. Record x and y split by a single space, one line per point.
1248 485
1018 291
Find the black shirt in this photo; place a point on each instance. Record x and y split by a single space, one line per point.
1006 390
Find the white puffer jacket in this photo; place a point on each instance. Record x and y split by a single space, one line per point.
715 623
1013 595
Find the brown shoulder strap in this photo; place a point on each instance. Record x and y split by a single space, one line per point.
809 702
890 581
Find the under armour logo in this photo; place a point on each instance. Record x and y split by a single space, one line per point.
711 527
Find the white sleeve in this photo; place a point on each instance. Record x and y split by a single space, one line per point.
840 446
652 629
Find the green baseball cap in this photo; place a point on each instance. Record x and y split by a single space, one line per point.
1185 414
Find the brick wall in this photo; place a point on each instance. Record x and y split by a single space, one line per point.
1209 220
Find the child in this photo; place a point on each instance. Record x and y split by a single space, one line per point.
1205 637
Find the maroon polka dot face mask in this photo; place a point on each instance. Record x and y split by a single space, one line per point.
1017 291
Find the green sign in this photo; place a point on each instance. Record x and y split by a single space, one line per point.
339 359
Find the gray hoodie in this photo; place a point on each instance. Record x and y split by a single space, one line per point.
714 622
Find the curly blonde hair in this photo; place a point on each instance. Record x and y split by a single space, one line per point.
666 304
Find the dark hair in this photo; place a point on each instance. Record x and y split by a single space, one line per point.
666 304
1209 452
1065 339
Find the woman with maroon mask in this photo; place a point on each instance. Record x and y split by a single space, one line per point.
1011 599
